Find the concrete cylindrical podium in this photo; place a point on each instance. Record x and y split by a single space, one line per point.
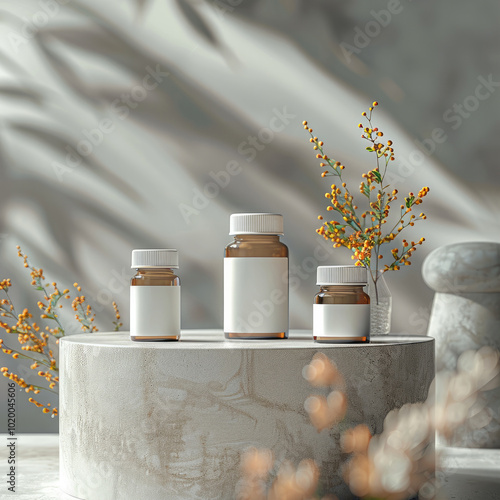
170 420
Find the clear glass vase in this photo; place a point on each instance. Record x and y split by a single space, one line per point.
380 307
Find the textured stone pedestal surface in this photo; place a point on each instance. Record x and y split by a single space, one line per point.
466 474
170 420
469 474
466 315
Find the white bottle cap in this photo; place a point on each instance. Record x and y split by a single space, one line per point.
157 257
256 224
341 275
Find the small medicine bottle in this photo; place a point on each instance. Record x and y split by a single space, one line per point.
341 310
155 296
256 278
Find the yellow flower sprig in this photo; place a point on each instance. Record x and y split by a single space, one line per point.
34 347
84 314
118 324
362 231
50 302
34 341
29 334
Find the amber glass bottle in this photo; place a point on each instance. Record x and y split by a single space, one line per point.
341 311
256 278
155 296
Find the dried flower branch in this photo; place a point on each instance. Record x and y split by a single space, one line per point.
118 324
359 230
37 345
83 314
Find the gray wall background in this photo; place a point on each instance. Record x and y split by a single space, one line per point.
226 70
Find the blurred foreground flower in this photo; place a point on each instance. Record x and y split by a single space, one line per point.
324 412
255 467
38 346
400 462
459 403
290 483
321 372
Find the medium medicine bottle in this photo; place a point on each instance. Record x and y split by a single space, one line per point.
341 310
155 296
256 278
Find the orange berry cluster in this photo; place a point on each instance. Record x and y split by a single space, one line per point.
362 232
5 284
118 324
84 314
45 408
35 343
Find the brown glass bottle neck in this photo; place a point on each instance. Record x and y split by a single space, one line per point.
155 271
341 288
257 237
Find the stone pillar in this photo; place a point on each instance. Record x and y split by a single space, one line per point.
466 315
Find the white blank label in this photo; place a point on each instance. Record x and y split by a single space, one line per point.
341 320
155 311
255 294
